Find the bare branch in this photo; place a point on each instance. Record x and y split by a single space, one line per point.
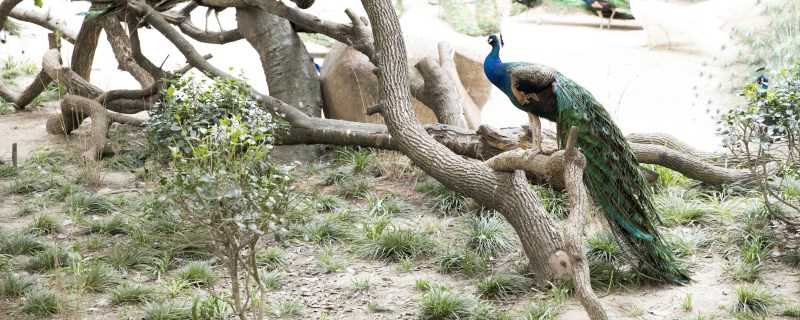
5 8
121 45
45 20
183 21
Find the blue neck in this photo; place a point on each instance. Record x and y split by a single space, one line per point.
494 69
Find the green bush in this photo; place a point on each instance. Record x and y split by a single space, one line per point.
193 110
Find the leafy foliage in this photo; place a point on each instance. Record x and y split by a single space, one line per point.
191 109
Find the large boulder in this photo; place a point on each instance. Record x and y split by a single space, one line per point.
349 85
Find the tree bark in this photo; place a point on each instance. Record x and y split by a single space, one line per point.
5 8
438 88
289 69
45 20
85 47
509 194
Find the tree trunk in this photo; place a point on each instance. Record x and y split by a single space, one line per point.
289 69
85 47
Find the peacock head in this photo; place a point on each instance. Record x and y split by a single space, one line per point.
496 41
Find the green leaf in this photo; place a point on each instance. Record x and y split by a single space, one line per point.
38 3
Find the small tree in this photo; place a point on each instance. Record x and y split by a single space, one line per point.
223 182
763 133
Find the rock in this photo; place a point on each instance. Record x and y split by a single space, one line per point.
349 85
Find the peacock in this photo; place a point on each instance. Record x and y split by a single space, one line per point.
612 174
606 9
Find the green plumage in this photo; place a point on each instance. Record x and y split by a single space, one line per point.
613 179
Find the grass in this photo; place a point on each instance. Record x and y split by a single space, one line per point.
42 303
668 178
422 285
211 308
82 203
354 188
271 259
287 308
791 311
166 310
45 224
461 261
6 262
114 225
382 205
132 293
687 304
328 262
359 159
487 235
774 45
329 229
361 285
394 244
539 311
328 202
603 247
49 259
503 285
19 244
14 286
555 202
442 200
753 300
440 303
678 207
127 256
272 280
6 170
30 181
12 68
97 278
199 274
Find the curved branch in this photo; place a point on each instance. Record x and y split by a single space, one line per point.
45 20
5 8
183 21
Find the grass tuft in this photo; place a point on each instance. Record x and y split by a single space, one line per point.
81 203
166 311
42 303
13 285
270 259
443 200
539 311
462 261
502 285
198 274
20 243
272 280
49 259
487 235
287 308
114 225
394 244
45 224
328 262
791 311
678 207
752 300
130 293
603 247
98 277
439 303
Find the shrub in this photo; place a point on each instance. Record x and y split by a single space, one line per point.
224 185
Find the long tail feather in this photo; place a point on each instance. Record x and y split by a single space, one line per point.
614 181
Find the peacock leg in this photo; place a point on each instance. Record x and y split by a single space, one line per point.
611 18
600 14
536 132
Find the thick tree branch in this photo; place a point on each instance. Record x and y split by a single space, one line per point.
438 89
121 45
5 8
183 20
573 228
44 20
